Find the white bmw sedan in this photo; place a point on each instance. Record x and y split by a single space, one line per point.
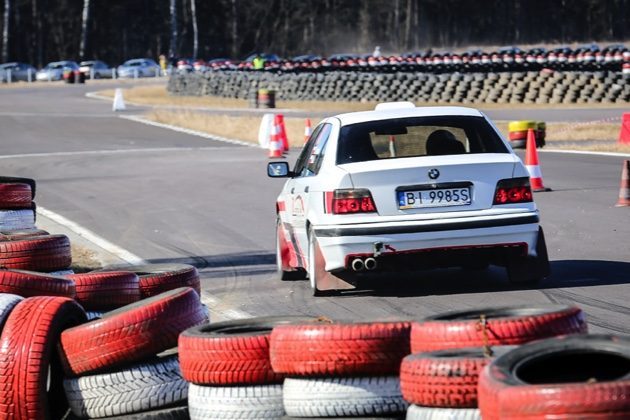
406 187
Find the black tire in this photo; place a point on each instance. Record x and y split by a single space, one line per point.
11 179
530 270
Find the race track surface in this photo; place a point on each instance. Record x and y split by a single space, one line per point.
168 196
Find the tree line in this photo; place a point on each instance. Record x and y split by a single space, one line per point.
38 31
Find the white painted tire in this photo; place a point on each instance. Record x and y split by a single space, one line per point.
140 387
343 397
92 315
416 412
235 402
61 272
7 303
17 219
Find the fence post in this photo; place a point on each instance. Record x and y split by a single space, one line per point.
9 76
29 75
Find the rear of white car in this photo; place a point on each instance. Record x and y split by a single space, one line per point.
408 188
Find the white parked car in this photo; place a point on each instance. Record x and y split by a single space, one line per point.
406 187
54 71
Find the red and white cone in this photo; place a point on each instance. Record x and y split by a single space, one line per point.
275 144
392 146
624 189
284 140
307 130
531 163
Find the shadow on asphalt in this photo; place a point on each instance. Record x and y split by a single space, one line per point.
237 259
565 274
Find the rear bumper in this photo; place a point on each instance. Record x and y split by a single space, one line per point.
339 244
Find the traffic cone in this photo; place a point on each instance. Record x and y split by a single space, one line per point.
624 190
119 102
275 144
531 163
283 134
392 146
307 130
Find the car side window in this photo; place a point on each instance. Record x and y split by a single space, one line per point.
317 153
302 160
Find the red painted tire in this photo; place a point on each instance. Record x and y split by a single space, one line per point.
339 348
572 377
30 283
102 291
16 235
39 253
27 351
159 278
131 333
445 378
230 353
16 180
15 196
503 326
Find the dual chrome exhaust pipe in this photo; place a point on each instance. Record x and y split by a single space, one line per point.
368 264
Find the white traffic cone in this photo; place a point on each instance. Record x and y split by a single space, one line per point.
119 102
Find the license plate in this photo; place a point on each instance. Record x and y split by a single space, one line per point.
439 197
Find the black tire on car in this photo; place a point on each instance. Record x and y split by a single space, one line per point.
297 274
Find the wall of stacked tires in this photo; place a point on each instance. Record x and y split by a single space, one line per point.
545 86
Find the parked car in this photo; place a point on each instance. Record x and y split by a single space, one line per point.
54 71
404 187
17 72
139 67
95 68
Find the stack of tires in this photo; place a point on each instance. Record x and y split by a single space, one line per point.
341 369
126 362
17 209
229 369
450 350
517 132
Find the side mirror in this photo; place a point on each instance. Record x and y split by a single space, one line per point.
278 170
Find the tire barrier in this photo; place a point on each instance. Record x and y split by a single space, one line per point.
235 402
540 380
531 87
15 196
36 253
159 278
339 348
343 397
495 327
17 220
131 333
97 291
446 378
31 374
150 385
31 283
231 352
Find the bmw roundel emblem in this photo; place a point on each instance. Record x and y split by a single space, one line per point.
434 173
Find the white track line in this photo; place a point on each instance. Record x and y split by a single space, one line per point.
143 120
90 236
214 304
115 152
585 152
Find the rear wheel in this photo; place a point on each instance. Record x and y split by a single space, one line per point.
530 270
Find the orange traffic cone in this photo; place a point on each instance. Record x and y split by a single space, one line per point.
275 144
307 130
392 146
624 190
283 134
531 163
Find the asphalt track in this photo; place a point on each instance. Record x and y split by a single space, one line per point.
168 196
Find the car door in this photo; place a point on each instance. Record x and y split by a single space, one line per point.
311 160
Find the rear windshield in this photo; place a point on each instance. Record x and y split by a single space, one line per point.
417 136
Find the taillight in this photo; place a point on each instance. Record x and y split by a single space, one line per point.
513 190
351 201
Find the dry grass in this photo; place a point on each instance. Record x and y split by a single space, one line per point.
241 128
157 95
84 259
246 128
